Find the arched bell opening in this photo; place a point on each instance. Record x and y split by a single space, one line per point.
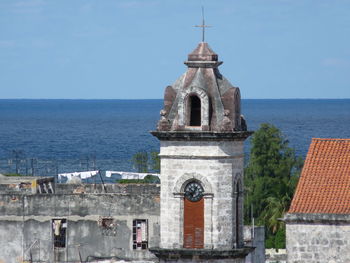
194 110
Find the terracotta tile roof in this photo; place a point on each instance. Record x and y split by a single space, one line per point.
324 184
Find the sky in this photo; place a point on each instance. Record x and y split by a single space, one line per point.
119 49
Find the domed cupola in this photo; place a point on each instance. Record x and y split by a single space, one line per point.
203 56
202 100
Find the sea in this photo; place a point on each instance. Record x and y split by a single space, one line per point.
46 137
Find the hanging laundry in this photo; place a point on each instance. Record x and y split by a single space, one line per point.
57 227
109 173
130 175
82 175
144 231
138 233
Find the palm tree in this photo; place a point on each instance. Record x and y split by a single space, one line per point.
274 211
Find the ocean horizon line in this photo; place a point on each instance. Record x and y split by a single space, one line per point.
100 99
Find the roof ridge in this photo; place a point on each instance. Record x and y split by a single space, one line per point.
330 139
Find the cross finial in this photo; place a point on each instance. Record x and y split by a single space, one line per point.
203 25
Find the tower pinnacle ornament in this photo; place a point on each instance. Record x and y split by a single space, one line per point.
203 25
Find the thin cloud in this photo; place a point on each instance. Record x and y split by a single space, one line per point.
63 61
95 31
7 44
28 3
28 6
87 7
335 62
137 4
40 43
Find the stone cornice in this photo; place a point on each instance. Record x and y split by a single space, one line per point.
201 136
203 64
331 219
205 195
196 254
200 157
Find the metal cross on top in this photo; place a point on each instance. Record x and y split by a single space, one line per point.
203 25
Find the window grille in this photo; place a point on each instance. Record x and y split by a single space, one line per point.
140 234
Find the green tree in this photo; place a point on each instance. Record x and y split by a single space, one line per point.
270 179
140 162
151 179
145 162
155 161
13 174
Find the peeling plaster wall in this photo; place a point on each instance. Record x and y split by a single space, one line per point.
11 241
26 221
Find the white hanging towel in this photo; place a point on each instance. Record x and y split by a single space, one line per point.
144 231
109 173
130 175
82 175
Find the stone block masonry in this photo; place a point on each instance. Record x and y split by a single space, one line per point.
218 165
318 242
26 223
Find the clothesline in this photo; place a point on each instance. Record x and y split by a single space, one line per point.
82 175
89 174
130 175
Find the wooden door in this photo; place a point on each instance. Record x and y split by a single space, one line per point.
194 224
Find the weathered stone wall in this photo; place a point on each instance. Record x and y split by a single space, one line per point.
237 260
26 184
274 255
255 238
131 189
218 165
318 242
26 221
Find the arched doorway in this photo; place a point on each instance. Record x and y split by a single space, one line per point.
195 110
193 215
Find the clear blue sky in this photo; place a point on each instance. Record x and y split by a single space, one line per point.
119 49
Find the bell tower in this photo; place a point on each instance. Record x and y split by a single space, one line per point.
201 133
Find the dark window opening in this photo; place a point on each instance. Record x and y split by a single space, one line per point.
195 117
107 223
45 188
59 227
140 234
108 226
